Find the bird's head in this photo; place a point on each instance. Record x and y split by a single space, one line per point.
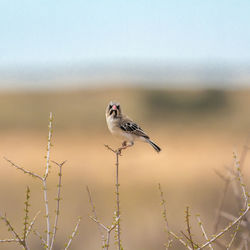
113 109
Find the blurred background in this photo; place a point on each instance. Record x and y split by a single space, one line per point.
180 69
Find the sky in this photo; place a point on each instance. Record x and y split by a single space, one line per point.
52 32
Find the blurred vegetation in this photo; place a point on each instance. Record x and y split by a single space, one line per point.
85 109
188 102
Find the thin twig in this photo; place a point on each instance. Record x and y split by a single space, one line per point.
189 227
99 223
13 231
49 145
32 224
226 228
188 238
95 216
242 184
41 238
107 229
230 217
245 197
117 185
164 214
46 202
108 235
23 170
109 148
234 235
180 240
118 202
245 209
10 240
203 230
44 180
58 199
73 234
26 209
227 181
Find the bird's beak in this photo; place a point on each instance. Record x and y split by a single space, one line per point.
113 110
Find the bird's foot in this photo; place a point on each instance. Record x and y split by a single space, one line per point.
125 145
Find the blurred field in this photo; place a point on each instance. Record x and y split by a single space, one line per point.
197 130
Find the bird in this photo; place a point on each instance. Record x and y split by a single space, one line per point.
122 126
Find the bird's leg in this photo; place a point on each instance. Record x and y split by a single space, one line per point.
125 145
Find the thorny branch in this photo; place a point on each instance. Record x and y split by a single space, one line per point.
27 229
116 223
235 221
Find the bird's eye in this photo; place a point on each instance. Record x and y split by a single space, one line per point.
110 106
118 106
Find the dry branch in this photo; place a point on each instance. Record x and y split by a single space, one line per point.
48 243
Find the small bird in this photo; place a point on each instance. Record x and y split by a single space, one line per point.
122 126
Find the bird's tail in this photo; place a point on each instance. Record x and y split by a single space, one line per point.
157 148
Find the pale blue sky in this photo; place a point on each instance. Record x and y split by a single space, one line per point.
48 32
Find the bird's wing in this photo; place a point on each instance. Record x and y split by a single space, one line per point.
129 126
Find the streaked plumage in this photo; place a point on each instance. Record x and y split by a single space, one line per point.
122 126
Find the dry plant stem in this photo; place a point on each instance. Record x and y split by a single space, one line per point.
222 201
245 196
118 202
203 230
23 170
15 234
32 224
73 234
99 223
243 186
43 179
188 238
44 182
48 146
26 217
189 227
180 240
227 181
18 239
105 241
234 235
96 218
45 195
226 229
41 238
10 240
117 185
245 209
27 229
164 214
46 202
108 236
107 229
58 199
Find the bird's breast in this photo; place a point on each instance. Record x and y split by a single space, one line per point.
113 126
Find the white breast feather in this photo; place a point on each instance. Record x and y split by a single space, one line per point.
115 130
